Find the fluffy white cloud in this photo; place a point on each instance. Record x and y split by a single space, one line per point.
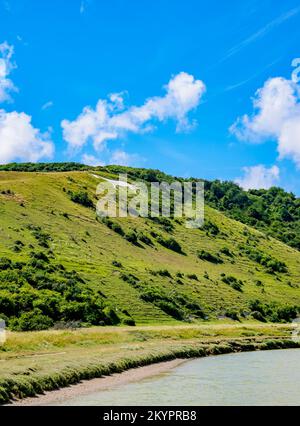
111 120
19 140
276 116
6 66
259 177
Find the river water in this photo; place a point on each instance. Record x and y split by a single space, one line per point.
253 378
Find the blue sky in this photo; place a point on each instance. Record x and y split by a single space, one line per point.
70 55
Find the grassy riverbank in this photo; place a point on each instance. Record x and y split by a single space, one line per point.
33 362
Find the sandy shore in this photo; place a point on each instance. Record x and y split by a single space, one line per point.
97 385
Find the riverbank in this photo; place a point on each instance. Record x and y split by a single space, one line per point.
100 384
34 363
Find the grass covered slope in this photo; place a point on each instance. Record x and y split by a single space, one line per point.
59 265
273 211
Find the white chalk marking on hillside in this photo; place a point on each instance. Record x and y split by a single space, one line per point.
116 183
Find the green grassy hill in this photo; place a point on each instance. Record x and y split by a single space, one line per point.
60 265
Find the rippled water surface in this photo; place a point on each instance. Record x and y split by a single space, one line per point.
254 378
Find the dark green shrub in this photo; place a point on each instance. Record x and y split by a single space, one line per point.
145 239
30 321
258 316
130 279
211 228
209 257
171 309
131 237
273 312
42 237
162 273
193 277
117 229
7 303
114 226
170 243
40 256
233 282
164 222
111 316
5 264
226 251
44 293
270 263
287 313
233 314
129 321
82 198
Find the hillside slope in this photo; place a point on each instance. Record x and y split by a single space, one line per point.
273 211
124 271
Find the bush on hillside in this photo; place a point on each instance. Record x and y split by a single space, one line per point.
233 282
170 243
273 312
209 257
36 294
81 197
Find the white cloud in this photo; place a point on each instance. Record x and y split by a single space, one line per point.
276 116
47 105
259 177
122 158
91 160
111 120
19 140
6 66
